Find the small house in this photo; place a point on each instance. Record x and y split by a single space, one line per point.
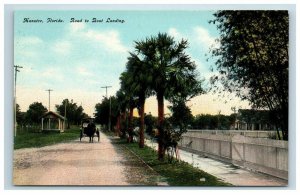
52 121
250 119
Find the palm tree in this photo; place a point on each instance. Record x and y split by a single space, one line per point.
141 86
173 74
138 82
122 106
126 84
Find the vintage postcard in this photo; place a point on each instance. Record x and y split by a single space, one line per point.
151 98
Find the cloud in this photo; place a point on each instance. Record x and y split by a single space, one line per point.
198 34
76 27
194 40
203 37
25 41
28 47
109 40
62 47
175 33
83 71
28 69
52 73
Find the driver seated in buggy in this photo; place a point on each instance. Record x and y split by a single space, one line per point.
88 128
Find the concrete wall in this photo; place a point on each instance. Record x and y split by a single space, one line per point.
258 154
247 133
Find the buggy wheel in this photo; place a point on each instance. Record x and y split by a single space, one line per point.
98 135
81 135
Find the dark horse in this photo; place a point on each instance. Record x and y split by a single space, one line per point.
90 131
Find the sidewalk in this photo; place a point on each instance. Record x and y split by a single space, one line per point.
226 172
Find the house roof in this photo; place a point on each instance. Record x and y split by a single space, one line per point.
50 113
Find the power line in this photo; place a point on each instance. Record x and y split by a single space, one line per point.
49 96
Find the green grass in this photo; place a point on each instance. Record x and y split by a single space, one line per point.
177 173
29 140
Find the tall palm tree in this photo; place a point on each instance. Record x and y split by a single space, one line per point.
122 106
173 74
140 87
126 87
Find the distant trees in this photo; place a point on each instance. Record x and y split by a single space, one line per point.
213 122
35 112
181 116
252 59
20 116
102 110
150 123
252 117
74 113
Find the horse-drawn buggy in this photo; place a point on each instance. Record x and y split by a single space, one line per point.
88 129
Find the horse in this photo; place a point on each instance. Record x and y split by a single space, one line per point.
90 131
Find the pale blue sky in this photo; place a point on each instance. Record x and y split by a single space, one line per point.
77 59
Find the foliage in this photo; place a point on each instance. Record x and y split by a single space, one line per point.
20 116
208 121
170 70
251 116
171 73
136 81
252 59
35 112
74 113
150 122
181 115
108 105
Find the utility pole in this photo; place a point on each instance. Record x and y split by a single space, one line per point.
234 111
49 96
109 120
65 115
16 71
219 112
109 123
106 89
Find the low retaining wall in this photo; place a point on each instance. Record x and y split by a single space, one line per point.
246 133
258 154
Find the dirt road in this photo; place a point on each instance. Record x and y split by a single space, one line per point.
79 163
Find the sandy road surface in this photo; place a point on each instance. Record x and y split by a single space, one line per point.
73 163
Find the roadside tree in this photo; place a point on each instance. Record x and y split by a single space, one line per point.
173 74
35 112
252 59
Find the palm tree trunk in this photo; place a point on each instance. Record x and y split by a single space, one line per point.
118 129
130 129
160 102
142 123
123 123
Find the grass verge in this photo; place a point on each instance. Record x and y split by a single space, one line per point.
29 140
178 173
